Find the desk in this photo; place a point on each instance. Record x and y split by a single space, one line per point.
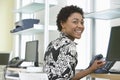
10 73
106 76
25 75
33 76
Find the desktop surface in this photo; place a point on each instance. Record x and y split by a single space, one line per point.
106 76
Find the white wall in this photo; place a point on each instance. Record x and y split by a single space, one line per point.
6 24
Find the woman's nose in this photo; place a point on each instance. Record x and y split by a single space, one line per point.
80 25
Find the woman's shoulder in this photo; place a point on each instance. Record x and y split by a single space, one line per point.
59 42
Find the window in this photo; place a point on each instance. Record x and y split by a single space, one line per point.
84 44
102 29
20 40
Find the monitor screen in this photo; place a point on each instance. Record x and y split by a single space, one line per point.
4 58
113 53
31 52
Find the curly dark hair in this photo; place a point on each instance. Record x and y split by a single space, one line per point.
65 12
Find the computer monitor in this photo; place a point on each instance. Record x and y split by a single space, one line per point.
113 53
4 58
31 52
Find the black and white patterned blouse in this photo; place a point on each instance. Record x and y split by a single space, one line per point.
61 58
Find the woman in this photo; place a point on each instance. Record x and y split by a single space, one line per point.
61 55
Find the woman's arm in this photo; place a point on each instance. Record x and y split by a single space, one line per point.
97 64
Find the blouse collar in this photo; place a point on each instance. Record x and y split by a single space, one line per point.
62 34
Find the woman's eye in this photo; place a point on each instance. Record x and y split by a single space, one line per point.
82 22
76 22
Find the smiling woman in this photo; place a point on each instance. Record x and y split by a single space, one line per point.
6 24
61 56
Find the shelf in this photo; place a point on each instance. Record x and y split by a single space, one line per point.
105 14
35 30
35 6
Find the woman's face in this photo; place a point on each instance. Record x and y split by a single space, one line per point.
73 27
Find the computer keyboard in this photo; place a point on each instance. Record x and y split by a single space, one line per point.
108 65
114 71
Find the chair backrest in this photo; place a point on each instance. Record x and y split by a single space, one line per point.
4 58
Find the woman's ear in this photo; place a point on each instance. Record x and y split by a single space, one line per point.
63 27
62 24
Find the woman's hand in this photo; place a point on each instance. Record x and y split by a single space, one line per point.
96 64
